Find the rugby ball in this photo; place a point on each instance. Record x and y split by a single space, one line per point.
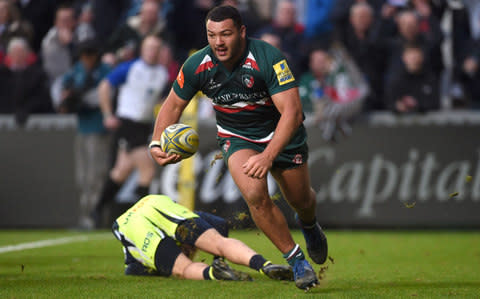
179 139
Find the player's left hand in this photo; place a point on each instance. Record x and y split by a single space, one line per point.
257 166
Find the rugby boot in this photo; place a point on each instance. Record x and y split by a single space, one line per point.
304 275
222 271
317 246
278 272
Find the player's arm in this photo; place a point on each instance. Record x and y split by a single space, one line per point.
169 113
105 98
289 105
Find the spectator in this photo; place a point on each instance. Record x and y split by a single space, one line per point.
249 13
285 26
23 83
141 83
415 87
165 58
58 44
333 90
464 42
318 23
84 30
366 54
41 15
123 45
409 33
92 144
340 13
11 25
183 23
109 15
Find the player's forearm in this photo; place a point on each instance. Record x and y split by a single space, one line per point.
104 95
288 124
169 114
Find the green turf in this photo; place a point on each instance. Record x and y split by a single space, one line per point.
363 265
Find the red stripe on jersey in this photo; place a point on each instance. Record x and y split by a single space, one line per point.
204 66
235 110
239 109
223 135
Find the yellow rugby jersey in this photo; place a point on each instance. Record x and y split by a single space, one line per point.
159 210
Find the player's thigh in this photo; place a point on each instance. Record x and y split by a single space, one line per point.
295 184
143 163
253 190
123 166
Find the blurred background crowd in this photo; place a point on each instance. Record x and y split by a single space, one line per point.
399 55
350 57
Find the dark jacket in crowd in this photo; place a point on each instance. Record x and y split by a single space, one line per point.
423 86
24 92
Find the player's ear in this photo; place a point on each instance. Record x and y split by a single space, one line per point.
243 31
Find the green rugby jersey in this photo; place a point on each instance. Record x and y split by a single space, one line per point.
241 97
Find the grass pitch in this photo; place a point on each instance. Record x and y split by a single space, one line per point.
362 264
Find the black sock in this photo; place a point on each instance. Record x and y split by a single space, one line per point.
206 273
110 189
256 262
142 191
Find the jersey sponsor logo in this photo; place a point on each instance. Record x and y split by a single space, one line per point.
181 78
206 64
250 62
284 74
147 241
248 80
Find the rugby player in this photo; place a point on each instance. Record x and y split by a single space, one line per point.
160 236
260 128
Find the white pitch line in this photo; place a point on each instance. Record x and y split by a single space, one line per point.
50 242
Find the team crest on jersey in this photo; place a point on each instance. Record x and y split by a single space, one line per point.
206 64
226 146
250 62
298 159
284 74
248 80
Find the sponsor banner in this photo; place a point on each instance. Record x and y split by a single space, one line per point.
408 172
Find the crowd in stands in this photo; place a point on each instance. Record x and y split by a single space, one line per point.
411 54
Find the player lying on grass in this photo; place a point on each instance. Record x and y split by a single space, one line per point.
159 237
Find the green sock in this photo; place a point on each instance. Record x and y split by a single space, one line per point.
294 255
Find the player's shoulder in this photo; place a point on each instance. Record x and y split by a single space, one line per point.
202 56
126 65
260 47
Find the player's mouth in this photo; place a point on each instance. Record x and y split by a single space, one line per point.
221 51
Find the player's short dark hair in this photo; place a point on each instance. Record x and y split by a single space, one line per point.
224 12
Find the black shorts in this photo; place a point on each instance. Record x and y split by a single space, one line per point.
132 134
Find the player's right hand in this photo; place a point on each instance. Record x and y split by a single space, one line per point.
162 158
111 122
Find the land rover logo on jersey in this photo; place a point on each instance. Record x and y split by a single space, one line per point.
284 74
248 80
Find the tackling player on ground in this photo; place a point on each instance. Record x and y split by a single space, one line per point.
260 129
159 237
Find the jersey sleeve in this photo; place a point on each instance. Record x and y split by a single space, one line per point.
185 85
278 75
119 74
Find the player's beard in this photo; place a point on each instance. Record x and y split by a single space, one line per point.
236 50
